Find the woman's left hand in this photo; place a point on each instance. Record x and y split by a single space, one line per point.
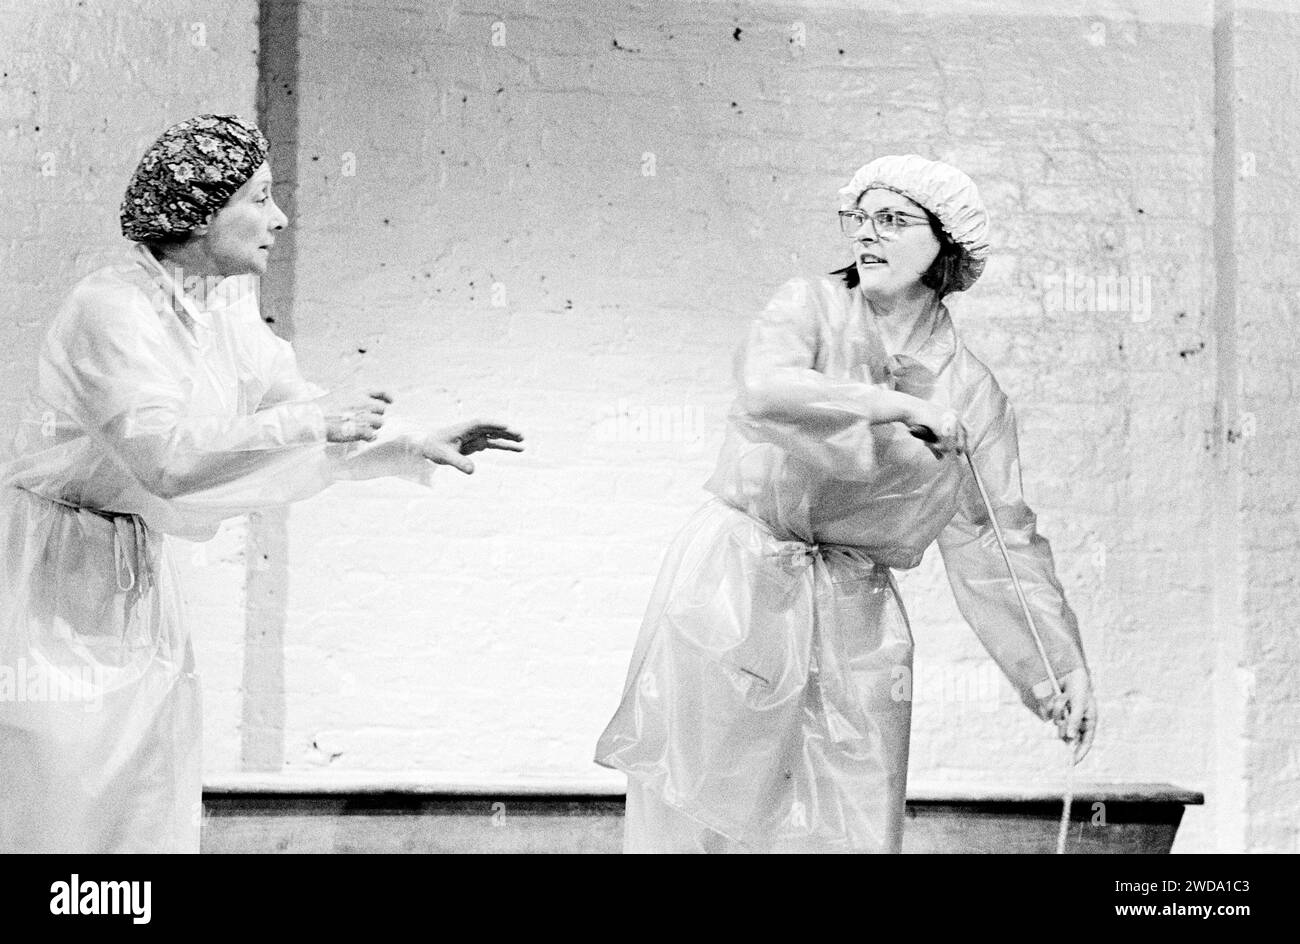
447 446
1074 711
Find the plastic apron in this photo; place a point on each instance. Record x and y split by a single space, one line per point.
767 706
151 416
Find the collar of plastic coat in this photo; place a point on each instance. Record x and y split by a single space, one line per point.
943 190
193 308
918 372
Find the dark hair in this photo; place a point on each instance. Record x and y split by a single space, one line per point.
944 274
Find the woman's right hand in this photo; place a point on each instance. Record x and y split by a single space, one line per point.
939 428
354 417
1074 711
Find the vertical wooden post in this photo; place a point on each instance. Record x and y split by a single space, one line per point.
262 714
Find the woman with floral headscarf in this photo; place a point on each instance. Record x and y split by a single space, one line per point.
767 707
163 405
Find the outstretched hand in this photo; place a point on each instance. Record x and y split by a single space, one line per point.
449 446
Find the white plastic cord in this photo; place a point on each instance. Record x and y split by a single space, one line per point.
1068 800
1015 581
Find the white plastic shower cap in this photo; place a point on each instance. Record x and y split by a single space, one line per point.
943 190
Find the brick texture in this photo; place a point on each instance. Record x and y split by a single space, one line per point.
566 213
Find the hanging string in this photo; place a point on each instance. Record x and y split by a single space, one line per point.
1068 801
926 434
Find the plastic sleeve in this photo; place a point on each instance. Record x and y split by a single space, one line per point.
978 573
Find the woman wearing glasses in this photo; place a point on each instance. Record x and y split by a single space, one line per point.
767 707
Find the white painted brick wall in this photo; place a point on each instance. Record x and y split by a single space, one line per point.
1267 64
484 626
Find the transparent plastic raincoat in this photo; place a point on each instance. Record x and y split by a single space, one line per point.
151 416
767 707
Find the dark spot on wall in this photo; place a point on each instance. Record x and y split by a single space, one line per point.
386 223
315 157
361 350
619 46
1121 345
464 99
1140 210
333 755
736 34
1189 351
501 89
1180 315
38 127
841 52
269 320
568 304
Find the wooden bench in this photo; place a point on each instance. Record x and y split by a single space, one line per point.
269 813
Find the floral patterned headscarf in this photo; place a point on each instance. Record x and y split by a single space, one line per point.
188 174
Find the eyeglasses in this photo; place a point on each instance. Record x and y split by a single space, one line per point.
885 224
